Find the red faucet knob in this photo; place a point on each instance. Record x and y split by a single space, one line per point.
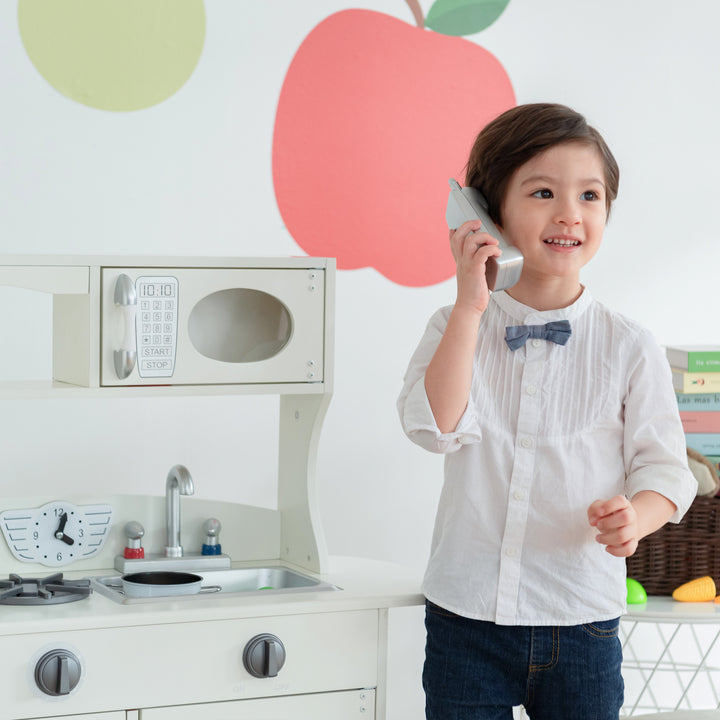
134 532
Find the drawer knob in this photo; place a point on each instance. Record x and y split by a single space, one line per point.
264 656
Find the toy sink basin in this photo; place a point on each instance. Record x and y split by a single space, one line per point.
262 579
221 583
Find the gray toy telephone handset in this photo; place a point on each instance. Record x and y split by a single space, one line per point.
467 203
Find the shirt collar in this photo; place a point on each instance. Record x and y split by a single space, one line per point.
526 315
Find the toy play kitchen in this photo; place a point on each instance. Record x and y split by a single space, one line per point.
169 607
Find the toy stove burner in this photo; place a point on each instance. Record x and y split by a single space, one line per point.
49 590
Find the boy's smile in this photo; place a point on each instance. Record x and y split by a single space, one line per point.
554 212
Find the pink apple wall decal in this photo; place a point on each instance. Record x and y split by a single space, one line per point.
374 116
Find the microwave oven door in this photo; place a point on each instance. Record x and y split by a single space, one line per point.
194 326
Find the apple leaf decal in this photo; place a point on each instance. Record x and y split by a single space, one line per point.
463 17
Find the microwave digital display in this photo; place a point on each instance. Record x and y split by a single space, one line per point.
150 289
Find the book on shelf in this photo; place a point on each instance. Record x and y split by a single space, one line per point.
694 358
707 444
695 382
700 421
698 402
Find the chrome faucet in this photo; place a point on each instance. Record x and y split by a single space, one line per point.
179 482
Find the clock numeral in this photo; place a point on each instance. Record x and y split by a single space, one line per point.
59 557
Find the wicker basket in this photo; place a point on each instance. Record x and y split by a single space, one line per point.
678 553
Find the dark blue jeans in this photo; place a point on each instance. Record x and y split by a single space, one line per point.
476 670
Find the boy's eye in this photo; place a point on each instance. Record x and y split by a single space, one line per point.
544 193
590 195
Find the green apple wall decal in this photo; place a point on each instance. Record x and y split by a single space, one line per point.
373 117
110 55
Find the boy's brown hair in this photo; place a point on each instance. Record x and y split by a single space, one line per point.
521 133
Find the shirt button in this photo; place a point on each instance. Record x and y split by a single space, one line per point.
536 342
519 495
510 552
530 389
526 442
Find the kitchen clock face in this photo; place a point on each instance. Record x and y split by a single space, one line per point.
57 533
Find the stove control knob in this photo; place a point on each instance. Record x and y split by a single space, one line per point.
58 672
264 656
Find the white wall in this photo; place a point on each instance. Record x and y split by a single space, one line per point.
192 176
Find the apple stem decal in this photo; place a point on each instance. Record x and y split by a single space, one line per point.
365 139
458 17
417 12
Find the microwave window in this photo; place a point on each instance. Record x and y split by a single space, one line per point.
239 325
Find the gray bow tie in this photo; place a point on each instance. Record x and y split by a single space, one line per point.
557 331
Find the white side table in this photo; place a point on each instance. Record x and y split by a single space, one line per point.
682 715
671 657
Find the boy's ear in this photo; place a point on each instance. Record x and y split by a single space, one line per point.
499 223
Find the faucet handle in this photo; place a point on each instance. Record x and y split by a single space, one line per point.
134 533
211 546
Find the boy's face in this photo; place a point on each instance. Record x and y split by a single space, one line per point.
554 210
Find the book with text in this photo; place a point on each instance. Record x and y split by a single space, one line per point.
694 402
694 358
695 382
700 421
706 443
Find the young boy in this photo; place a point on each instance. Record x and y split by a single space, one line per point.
563 449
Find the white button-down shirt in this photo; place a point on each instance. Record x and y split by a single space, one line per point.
547 430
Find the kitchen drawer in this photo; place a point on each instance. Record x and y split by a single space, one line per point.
325 706
193 662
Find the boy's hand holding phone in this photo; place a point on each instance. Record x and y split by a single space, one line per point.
472 248
466 212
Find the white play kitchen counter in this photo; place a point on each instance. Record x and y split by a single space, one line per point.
301 651
166 657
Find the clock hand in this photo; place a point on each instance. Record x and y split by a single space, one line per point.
61 527
60 534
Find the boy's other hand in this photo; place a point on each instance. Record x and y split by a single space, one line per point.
617 524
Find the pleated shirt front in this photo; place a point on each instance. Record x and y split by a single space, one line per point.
547 430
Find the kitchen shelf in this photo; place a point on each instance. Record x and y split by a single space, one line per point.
52 389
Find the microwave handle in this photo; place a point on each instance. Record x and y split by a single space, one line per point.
125 357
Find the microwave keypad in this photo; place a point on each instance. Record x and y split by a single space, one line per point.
156 325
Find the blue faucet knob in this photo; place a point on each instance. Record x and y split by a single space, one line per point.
211 546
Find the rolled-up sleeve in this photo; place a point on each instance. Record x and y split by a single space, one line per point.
413 405
654 444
